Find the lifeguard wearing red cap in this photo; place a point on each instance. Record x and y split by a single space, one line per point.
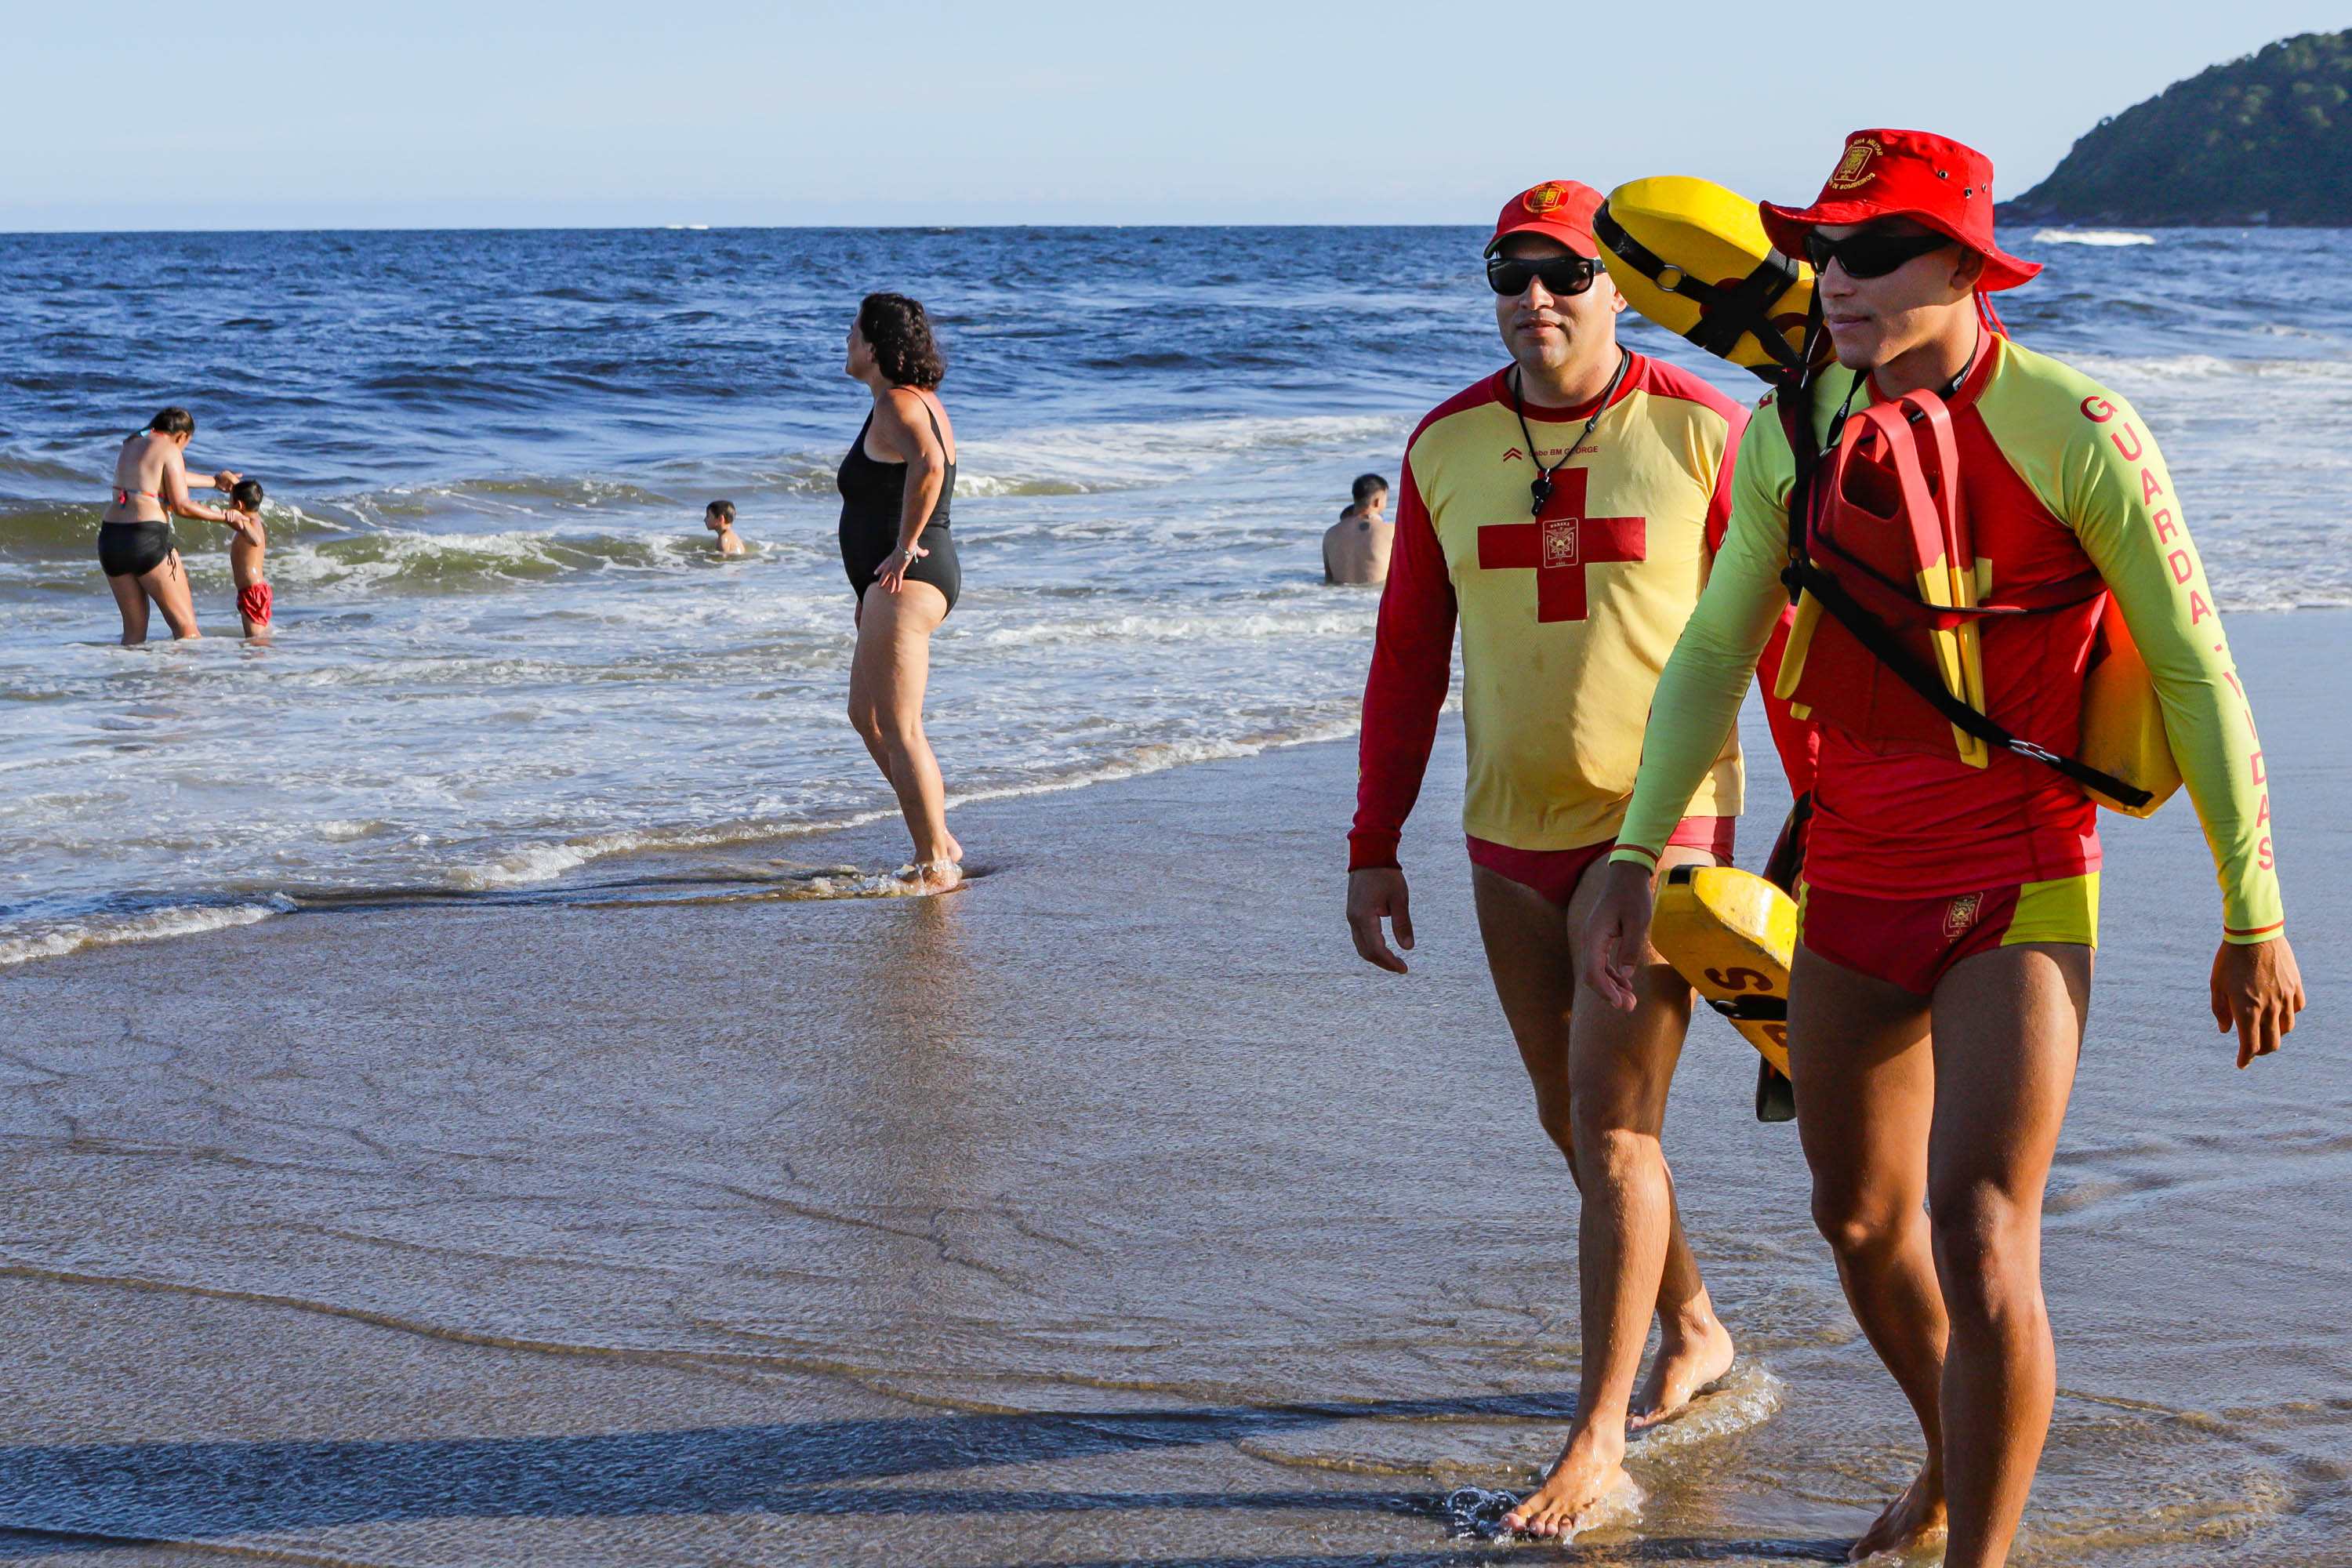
1557 209
1931 180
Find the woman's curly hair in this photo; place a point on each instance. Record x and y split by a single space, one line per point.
900 333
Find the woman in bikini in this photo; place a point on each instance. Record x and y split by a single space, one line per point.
135 547
896 484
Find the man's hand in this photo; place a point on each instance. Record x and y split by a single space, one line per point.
1373 892
1617 933
2257 991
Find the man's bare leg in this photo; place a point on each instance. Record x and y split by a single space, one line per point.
1866 1079
2009 1030
1600 1079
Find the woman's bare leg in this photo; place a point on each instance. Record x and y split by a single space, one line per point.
132 600
168 587
887 679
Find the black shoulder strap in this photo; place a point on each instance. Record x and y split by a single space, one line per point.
1727 314
1888 649
1795 402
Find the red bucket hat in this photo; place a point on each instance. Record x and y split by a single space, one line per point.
1932 179
1557 209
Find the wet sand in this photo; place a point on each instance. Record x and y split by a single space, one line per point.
1107 1212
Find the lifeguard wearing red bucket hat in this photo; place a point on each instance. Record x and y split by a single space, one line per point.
1931 180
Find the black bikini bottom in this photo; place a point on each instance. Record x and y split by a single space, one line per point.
133 549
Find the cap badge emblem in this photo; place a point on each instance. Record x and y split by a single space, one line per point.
1544 198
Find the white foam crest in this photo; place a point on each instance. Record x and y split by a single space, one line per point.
544 862
2210 367
1182 628
1089 459
178 920
2092 237
1745 1397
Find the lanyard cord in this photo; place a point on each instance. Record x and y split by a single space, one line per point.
1540 488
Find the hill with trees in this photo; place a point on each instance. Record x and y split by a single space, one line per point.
2262 140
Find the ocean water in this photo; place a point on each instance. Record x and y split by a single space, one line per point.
507 666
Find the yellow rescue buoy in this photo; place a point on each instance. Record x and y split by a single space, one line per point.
2123 721
1732 935
1692 255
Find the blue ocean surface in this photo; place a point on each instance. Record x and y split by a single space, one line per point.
507 660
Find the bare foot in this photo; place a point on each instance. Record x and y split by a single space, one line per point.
1911 1521
1687 1362
931 875
1587 1487
955 849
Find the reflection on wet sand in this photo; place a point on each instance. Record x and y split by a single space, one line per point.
1105 1212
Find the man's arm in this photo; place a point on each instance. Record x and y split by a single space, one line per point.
1413 664
1699 692
2117 496
1695 705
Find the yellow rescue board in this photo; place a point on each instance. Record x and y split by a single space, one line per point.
1732 935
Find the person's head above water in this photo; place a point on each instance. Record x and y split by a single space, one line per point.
892 337
1369 495
246 495
719 515
1901 238
177 423
1553 299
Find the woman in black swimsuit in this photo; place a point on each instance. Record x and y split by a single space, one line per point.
895 486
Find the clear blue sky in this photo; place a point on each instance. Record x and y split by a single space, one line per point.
274 113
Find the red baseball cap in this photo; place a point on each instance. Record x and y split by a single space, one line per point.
1557 209
1931 180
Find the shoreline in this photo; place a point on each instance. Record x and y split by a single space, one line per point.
1109 1210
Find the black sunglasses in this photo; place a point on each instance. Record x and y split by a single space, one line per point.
1873 253
1560 274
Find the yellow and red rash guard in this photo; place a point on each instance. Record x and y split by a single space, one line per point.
2058 474
1566 618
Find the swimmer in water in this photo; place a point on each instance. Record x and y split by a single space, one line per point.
245 546
718 517
135 548
1355 548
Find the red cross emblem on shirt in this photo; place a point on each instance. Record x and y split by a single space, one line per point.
1560 544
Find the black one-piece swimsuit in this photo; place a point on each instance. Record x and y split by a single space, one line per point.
873 497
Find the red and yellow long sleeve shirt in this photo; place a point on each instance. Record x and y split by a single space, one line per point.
2059 474
1566 617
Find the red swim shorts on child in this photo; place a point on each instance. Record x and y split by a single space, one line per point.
1913 943
253 603
1554 873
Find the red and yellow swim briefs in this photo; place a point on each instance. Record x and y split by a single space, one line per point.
1912 942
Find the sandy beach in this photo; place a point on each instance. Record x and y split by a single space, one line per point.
1107 1212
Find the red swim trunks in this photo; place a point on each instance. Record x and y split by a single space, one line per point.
253 604
1912 942
1554 873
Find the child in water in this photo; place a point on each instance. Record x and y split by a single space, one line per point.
719 518
245 550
